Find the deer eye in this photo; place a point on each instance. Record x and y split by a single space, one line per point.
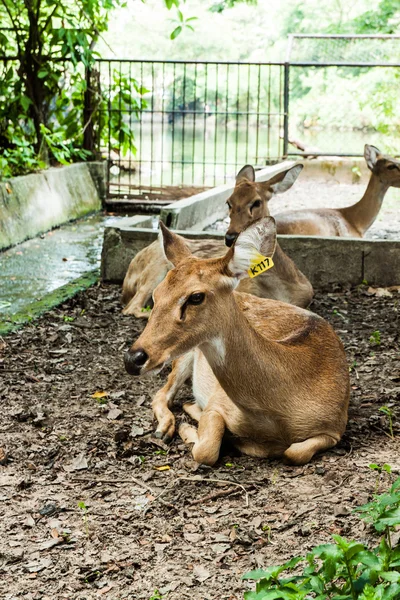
255 204
196 298
391 167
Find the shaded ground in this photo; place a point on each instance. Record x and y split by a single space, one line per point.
314 194
80 505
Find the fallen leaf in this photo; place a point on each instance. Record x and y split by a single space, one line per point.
38 565
163 468
114 414
201 573
50 543
136 431
78 464
99 394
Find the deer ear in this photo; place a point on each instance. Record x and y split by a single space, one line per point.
252 244
246 172
371 154
173 245
283 181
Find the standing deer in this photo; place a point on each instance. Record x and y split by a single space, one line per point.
352 221
273 374
149 267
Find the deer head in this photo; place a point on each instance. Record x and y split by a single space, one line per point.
385 167
249 200
193 301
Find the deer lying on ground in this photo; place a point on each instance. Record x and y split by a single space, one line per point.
285 282
273 374
352 221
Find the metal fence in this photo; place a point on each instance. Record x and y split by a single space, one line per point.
343 91
201 123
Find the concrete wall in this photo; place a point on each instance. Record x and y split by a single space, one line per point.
325 261
33 204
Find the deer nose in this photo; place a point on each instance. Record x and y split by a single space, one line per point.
134 361
230 238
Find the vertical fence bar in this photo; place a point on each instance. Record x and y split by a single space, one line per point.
226 121
173 125
286 81
162 125
109 129
269 116
130 124
247 114
141 134
152 124
194 121
216 123
258 111
184 114
237 118
205 122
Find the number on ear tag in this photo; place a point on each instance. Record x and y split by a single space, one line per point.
259 264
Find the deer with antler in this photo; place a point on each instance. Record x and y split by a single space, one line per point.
285 282
351 221
272 374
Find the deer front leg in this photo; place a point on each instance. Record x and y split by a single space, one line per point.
207 440
181 371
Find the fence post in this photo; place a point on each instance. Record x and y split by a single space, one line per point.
286 81
88 126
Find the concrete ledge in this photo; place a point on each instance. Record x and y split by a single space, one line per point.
336 170
33 204
185 214
324 260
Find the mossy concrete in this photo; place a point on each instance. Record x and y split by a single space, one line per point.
33 204
50 301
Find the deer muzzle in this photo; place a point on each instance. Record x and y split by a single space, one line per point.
134 361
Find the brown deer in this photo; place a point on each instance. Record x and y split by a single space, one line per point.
285 282
272 374
352 221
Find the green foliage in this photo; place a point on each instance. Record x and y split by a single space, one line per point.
43 118
390 415
375 338
343 570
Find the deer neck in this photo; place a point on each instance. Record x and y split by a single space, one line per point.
240 358
362 214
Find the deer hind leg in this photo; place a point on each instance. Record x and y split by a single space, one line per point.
193 410
136 305
207 440
251 448
301 453
181 371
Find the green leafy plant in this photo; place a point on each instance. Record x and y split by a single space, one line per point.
379 468
156 595
375 338
146 309
343 570
390 414
84 510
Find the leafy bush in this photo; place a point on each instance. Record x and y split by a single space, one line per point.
343 570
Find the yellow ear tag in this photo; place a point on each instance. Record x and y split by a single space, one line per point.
259 264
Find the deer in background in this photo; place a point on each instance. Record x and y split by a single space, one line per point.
272 374
285 282
352 221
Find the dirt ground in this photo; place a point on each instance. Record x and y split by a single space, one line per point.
91 506
315 194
